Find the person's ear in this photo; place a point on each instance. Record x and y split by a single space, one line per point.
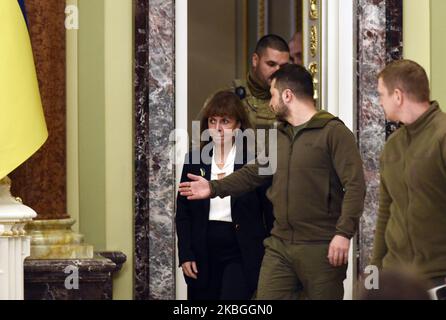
255 60
398 97
287 95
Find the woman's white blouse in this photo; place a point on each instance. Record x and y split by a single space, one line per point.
220 209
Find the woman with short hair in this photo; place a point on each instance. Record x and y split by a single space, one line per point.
220 241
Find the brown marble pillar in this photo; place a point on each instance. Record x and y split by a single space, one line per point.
41 180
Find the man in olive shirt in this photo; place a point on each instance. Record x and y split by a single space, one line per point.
317 193
411 225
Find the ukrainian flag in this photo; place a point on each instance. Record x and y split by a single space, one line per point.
22 123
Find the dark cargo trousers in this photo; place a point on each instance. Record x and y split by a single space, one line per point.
293 271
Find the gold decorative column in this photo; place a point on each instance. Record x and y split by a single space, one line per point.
312 44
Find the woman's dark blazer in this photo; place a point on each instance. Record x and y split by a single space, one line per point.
252 217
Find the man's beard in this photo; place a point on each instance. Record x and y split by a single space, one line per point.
264 83
282 111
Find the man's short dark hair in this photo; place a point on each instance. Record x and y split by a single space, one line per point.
272 41
296 78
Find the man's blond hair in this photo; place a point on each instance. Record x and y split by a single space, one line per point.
409 77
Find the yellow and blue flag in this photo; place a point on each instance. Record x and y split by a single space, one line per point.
22 123
22 7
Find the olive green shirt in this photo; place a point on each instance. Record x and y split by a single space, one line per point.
295 130
318 186
411 224
257 106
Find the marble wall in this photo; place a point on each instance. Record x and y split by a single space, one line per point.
141 228
154 176
379 41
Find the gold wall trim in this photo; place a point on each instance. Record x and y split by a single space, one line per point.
261 18
314 10
314 70
314 41
313 51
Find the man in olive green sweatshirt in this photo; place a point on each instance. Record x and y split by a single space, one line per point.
317 192
411 225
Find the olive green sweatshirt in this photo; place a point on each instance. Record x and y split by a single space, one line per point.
411 225
256 102
318 188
